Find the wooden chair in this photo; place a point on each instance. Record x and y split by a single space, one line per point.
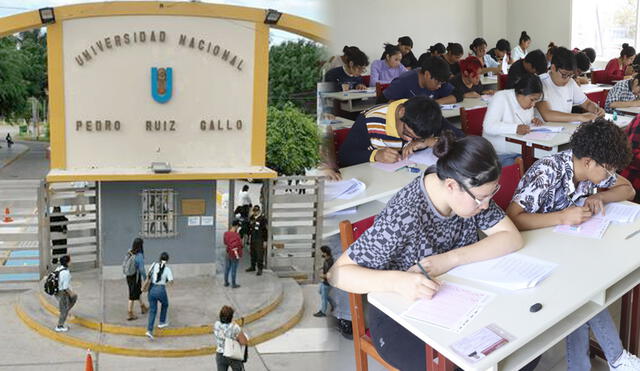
508 183
362 343
380 88
502 81
471 120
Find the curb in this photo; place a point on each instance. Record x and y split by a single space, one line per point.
140 330
14 158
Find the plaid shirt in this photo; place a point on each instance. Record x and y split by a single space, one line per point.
621 92
632 172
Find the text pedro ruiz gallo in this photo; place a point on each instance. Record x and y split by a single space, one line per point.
109 43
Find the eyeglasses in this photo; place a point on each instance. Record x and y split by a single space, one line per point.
479 203
405 131
609 172
566 75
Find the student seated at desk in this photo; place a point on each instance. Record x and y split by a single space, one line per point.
340 60
561 92
547 196
479 50
583 65
387 68
389 132
430 80
510 111
408 59
467 84
617 68
436 50
591 53
520 51
349 74
535 62
452 57
551 48
434 220
502 49
625 93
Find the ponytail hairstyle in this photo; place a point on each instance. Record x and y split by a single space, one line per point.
390 50
551 45
437 48
503 45
528 84
355 55
523 37
582 62
137 246
538 60
471 65
471 161
627 51
405 40
455 49
477 42
591 53
164 258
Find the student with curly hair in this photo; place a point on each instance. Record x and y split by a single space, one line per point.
552 192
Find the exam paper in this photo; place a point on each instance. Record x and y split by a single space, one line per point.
344 189
548 129
424 157
452 307
513 272
539 135
592 228
394 166
619 212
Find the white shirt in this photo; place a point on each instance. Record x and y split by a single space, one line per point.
561 98
503 116
245 199
64 278
490 62
166 274
518 53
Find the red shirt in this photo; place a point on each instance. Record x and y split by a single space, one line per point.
234 244
614 71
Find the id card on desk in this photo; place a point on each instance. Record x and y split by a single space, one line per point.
481 343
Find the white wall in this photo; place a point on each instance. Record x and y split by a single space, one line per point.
369 23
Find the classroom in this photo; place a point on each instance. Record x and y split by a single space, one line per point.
482 160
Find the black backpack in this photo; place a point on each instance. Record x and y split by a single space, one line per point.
52 282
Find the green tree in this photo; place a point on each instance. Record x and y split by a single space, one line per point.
33 47
293 141
294 71
13 86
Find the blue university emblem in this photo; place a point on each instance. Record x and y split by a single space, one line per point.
161 84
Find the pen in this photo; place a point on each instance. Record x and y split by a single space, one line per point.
423 270
632 234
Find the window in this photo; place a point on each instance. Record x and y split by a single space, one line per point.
158 213
604 26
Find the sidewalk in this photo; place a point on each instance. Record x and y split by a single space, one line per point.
7 155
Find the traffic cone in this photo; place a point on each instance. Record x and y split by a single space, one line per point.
88 364
7 218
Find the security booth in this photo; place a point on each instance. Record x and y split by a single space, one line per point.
153 103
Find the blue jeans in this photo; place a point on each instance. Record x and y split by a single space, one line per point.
578 342
230 266
324 289
507 159
157 293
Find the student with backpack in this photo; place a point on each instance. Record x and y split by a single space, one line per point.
59 284
133 269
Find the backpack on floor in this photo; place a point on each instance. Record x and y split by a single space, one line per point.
129 264
52 282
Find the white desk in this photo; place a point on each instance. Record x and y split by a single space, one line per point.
380 184
363 99
341 123
629 110
594 88
467 103
489 80
591 274
331 225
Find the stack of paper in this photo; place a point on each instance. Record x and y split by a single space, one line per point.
619 212
344 189
547 129
452 307
514 271
592 228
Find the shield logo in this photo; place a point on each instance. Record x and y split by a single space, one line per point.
161 84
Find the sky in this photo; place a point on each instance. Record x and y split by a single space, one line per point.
312 9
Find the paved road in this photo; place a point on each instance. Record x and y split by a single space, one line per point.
31 165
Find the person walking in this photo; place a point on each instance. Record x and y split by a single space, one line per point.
257 239
233 242
324 285
66 297
9 140
245 198
223 330
135 256
160 276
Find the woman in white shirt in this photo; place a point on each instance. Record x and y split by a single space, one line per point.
520 51
511 112
225 329
245 199
160 276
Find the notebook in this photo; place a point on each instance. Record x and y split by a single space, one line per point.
515 271
451 308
